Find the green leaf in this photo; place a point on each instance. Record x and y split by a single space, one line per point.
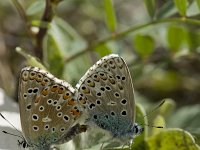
144 45
175 37
54 56
36 7
172 139
63 41
110 15
103 50
166 10
151 7
193 40
167 108
181 5
198 3
31 60
158 121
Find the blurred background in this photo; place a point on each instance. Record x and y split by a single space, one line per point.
159 40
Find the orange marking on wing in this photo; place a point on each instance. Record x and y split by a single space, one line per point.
75 112
37 100
43 83
65 97
32 75
54 88
45 92
39 78
71 102
61 90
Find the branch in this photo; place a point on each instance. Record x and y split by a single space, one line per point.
130 30
20 9
47 17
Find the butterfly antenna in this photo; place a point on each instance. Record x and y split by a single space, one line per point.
149 113
12 126
12 134
152 126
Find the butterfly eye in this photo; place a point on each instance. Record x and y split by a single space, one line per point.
25 75
32 75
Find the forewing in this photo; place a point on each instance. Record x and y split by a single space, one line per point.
47 106
106 90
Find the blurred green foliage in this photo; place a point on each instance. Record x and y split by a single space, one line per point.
160 41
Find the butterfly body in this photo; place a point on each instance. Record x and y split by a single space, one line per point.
106 92
48 109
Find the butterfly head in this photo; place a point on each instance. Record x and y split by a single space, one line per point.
137 129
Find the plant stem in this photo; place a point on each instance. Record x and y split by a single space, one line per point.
130 30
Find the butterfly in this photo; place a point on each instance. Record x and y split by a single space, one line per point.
106 92
48 109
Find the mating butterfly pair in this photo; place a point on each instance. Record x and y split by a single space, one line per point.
50 108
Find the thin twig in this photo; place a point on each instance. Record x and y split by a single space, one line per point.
20 9
130 30
47 17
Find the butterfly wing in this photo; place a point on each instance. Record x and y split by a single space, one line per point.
48 109
106 91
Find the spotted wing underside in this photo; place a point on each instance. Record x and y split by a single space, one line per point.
48 109
106 91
